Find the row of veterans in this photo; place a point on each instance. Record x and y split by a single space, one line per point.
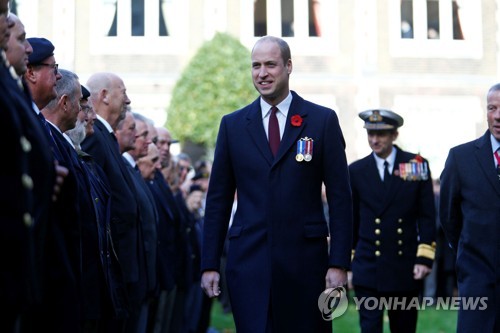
99 232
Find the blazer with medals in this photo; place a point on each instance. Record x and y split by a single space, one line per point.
278 239
394 228
470 216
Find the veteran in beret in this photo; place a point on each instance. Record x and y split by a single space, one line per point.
42 73
394 223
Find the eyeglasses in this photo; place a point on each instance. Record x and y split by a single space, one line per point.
53 66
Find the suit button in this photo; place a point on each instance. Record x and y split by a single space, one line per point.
377 242
400 242
28 220
377 231
400 220
27 181
400 231
400 253
377 220
377 253
25 144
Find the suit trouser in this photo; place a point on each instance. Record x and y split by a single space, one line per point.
371 312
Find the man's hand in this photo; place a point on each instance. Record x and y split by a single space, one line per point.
420 271
61 173
210 283
335 277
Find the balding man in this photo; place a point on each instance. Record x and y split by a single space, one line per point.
109 100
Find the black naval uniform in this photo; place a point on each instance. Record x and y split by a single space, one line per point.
394 229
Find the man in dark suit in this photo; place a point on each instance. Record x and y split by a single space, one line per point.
394 223
110 101
470 216
278 239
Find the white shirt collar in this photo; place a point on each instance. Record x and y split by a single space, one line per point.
283 106
105 122
390 159
494 143
129 159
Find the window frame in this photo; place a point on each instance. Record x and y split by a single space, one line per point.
151 43
445 47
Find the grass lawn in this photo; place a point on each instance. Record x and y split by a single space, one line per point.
430 320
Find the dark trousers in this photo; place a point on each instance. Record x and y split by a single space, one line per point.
371 317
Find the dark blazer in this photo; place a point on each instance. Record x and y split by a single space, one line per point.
278 239
470 216
27 179
124 212
148 243
389 225
168 230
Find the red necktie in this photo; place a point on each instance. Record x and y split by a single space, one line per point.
274 131
497 156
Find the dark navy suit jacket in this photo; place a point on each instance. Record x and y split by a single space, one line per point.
470 216
124 211
278 240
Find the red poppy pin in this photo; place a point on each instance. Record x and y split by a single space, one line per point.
418 158
296 120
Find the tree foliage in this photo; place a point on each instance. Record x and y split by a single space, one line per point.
216 82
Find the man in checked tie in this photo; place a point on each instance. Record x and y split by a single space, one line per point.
276 153
470 216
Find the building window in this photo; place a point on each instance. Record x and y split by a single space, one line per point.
290 16
150 26
432 14
138 14
310 27
430 28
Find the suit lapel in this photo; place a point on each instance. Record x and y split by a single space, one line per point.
485 157
256 131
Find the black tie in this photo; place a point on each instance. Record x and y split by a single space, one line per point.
387 175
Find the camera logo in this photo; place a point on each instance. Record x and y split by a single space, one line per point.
332 303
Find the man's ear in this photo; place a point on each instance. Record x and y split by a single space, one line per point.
63 102
30 74
104 96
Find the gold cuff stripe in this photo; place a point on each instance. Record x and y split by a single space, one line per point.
426 251
352 254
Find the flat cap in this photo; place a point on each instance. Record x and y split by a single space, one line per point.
85 92
42 49
381 119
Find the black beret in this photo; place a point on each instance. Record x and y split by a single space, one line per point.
42 49
380 119
85 93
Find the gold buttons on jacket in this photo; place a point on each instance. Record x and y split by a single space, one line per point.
400 220
377 253
400 231
377 242
377 221
25 144
377 231
27 181
28 220
400 253
400 242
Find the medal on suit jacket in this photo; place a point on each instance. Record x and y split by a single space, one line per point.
304 149
416 169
